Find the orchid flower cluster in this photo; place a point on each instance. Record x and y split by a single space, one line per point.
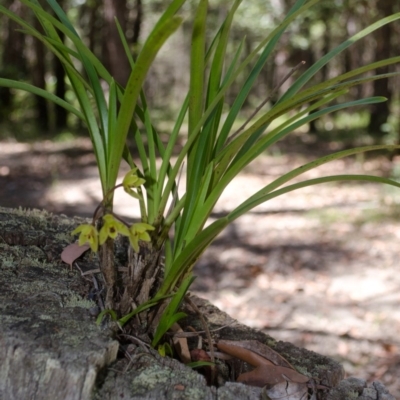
113 225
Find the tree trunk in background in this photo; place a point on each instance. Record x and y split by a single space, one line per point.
61 112
38 79
137 23
309 58
380 112
59 73
115 54
298 55
13 61
94 16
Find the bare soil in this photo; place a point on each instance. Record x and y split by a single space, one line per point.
317 267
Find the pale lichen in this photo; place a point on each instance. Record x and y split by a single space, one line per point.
7 262
150 378
45 317
77 301
302 370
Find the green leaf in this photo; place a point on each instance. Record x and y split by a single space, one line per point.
185 259
264 195
169 316
269 46
132 92
63 18
196 89
142 307
193 249
304 78
80 89
111 313
272 137
165 165
93 77
41 92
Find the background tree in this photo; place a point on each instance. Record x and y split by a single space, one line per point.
384 48
12 60
117 63
60 89
38 71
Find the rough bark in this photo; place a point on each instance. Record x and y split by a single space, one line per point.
51 348
109 271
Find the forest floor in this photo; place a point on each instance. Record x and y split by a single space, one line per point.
317 267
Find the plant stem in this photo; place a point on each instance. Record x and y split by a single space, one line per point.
109 271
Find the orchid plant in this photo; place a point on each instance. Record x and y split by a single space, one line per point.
174 227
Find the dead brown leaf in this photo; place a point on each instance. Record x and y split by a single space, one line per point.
72 252
234 349
200 355
266 371
261 349
271 375
206 370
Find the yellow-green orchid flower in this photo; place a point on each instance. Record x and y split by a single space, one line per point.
88 234
139 232
130 181
111 228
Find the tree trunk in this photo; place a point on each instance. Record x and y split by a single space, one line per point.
39 80
380 112
61 112
93 25
13 61
137 22
116 59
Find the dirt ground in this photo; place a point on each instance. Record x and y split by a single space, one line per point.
318 267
